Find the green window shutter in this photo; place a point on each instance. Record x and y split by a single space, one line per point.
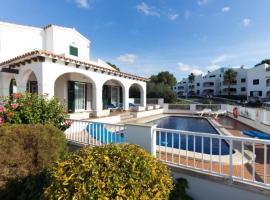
73 51
71 96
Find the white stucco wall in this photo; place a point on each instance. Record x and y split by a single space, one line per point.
258 72
58 39
205 189
16 40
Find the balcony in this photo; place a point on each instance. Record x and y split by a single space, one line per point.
208 84
225 83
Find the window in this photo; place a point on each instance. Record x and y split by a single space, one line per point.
243 89
198 84
243 80
73 51
256 93
256 82
212 76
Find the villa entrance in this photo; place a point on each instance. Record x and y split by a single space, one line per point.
75 91
112 95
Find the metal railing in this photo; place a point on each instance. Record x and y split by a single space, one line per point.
213 107
179 106
152 101
95 133
236 158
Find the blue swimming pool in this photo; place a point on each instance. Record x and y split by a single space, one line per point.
187 142
99 132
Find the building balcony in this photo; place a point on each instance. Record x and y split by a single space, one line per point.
225 83
208 84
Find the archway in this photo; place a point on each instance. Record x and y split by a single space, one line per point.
136 93
32 83
76 90
113 94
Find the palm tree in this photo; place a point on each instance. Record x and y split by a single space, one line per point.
229 78
191 78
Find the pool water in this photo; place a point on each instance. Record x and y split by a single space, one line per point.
187 142
99 132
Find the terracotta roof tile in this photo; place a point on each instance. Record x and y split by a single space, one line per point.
44 53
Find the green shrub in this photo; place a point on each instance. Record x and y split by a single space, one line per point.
121 171
32 109
179 192
28 149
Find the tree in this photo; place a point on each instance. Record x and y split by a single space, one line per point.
160 86
113 66
191 78
265 61
164 77
229 78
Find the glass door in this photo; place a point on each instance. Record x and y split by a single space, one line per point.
114 96
79 96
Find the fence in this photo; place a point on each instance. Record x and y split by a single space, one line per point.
94 133
237 158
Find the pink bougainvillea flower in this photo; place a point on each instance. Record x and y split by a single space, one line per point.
68 122
2 121
14 105
2 109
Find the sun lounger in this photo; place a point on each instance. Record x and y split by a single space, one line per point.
257 134
111 107
219 112
205 112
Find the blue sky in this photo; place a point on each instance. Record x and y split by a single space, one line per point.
145 37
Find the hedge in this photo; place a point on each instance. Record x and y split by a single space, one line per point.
26 150
114 171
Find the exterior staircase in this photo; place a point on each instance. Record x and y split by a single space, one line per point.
126 117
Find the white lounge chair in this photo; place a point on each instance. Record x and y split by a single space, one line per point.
219 112
205 112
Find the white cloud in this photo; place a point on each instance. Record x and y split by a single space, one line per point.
147 10
246 22
82 3
173 17
202 2
127 58
226 9
188 68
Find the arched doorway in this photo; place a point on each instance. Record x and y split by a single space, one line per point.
76 91
13 86
112 94
32 83
136 93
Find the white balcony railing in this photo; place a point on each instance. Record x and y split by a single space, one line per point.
236 158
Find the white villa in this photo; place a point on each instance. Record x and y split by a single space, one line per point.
56 61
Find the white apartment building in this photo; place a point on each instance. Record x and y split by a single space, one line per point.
213 84
56 61
259 82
